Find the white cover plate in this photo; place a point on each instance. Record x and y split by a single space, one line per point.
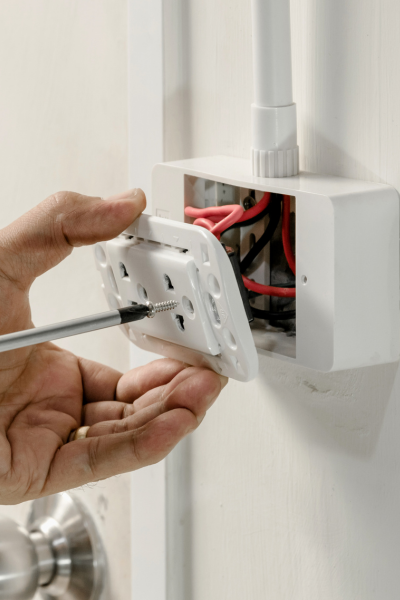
202 279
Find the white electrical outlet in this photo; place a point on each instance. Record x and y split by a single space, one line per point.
347 258
158 260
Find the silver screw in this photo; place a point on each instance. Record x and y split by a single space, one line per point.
160 307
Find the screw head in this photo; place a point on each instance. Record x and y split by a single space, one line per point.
152 311
248 202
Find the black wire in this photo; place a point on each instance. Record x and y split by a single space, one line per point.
274 218
274 210
287 284
273 316
252 221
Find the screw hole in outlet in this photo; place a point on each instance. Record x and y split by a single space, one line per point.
179 321
142 293
214 285
122 270
304 279
168 283
188 307
212 309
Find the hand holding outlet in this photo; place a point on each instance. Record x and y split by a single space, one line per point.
46 393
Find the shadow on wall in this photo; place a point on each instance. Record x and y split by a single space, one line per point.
348 406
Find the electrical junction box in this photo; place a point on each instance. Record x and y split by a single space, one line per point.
347 258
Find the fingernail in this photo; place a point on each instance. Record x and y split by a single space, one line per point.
224 381
127 195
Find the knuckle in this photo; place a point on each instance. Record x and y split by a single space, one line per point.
59 200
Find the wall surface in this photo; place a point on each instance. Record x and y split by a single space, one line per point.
63 125
290 488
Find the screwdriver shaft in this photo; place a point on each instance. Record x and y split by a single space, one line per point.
48 333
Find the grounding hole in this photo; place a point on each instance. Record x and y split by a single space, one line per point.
100 255
212 309
214 285
188 307
179 321
230 340
111 279
168 283
304 279
142 293
122 270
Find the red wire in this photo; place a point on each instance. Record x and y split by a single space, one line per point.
268 290
287 247
219 218
213 214
225 216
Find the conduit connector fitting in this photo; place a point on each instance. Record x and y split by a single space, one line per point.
275 152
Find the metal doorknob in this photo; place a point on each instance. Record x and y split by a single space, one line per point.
58 554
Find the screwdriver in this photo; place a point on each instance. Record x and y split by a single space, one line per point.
38 335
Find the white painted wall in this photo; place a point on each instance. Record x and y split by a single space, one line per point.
291 487
64 125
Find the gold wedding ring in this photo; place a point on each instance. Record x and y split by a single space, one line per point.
79 434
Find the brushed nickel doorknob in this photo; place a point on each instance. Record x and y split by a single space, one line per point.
58 554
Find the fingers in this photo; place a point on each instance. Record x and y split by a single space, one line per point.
194 389
101 383
92 459
195 382
139 381
147 436
96 412
44 236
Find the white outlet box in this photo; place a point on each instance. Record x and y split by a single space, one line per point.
347 259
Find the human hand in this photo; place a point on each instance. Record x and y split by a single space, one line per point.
46 393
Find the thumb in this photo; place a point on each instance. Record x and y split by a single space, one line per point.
47 234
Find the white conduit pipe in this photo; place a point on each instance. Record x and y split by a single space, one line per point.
275 152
